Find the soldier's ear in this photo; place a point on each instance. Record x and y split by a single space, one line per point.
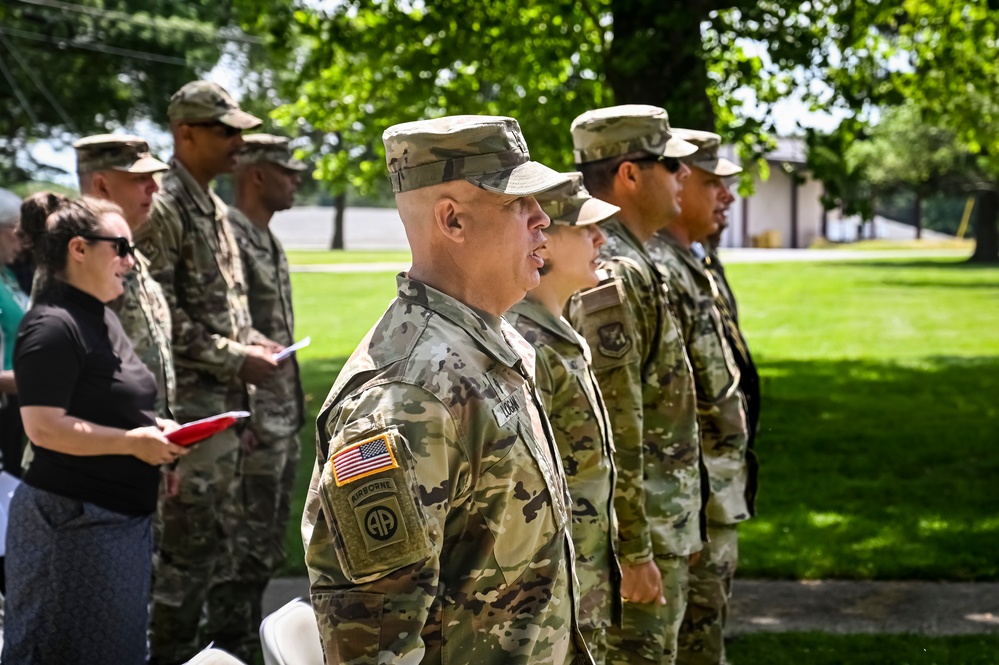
627 176
100 186
447 219
259 178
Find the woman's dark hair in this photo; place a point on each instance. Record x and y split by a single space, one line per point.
49 221
34 211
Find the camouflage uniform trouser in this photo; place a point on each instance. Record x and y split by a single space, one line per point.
194 544
702 639
260 520
648 631
596 643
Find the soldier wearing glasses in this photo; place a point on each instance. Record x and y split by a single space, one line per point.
194 257
629 158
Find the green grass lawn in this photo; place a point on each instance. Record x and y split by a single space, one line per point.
880 418
312 257
826 649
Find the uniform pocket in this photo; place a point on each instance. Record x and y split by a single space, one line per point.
514 499
349 625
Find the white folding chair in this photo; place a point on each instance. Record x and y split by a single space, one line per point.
211 656
290 636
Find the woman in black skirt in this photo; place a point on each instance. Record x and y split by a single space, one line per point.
79 538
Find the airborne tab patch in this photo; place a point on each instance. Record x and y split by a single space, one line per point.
363 459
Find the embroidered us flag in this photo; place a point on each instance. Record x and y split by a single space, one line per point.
363 459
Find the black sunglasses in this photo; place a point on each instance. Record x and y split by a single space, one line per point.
672 164
227 131
122 246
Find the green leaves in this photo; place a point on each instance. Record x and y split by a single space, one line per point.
367 65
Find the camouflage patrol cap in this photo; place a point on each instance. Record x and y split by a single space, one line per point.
204 101
263 148
706 158
487 151
113 152
571 205
620 130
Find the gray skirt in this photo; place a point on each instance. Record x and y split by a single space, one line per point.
77 582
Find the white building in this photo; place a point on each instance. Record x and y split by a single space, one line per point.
788 207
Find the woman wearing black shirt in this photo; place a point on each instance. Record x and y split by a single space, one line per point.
79 538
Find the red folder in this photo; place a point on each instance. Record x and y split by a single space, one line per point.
199 430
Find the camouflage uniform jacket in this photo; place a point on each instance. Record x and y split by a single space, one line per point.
194 257
436 524
581 427
750 377
717 270
648 386
145 318
277 405
720 403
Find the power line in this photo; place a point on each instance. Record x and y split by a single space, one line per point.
137 20
22 100
103 48
38 84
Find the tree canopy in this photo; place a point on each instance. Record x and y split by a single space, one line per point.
938 60
93 65
364 66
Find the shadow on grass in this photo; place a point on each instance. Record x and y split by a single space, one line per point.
877 470
826 649
869 470
947 264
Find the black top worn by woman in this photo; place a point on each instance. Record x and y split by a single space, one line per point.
72 353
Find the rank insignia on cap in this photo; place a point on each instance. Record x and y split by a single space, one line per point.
363 459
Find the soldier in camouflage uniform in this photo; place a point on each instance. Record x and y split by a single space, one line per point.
120 169
267 177
629 158
193 255
572 399
720 404
436 524
707 249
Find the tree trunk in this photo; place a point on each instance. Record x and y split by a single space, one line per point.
987 228
654 60
917 215
339 207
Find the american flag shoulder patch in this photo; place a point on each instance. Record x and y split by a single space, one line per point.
363 459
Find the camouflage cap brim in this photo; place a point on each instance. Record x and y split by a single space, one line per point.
718 166
146 164
592 211
677 147
292 165
240 119
527 179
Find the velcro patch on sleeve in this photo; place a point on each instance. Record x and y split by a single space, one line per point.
363 459
602 297
370 491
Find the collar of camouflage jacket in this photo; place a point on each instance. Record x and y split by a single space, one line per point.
485 329
554 324
685 254
203 198
262 238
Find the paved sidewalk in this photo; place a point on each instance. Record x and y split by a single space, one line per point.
929 608
728 256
